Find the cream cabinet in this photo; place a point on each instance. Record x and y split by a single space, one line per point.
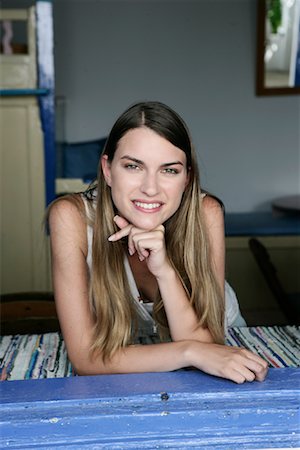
24 244
24 258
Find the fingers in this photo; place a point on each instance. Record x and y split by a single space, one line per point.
258 366
243 374
125 229
146 242
139 241
234 363
121 222
261 374
246 366
120 234
143 246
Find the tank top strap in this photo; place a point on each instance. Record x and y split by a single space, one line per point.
89 234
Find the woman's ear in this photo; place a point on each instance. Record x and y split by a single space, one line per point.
105 164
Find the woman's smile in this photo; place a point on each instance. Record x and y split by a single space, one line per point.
147 207
147 176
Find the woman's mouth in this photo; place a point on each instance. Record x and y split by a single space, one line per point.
147 206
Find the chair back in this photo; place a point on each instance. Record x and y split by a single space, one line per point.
288 303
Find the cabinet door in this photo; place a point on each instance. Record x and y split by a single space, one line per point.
24 246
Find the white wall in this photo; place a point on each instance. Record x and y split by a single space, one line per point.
196 56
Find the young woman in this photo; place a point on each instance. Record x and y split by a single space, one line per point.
145 233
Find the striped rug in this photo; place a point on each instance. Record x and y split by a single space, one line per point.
44 355
279 346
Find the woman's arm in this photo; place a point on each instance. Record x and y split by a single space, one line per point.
181 316
71 288
68 238
150 246
71 279
233 363
214 221
182 320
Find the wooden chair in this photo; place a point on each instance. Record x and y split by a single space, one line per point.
28 313
289 303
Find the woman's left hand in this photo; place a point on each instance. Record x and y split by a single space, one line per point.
149 245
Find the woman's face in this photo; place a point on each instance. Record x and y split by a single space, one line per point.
147 176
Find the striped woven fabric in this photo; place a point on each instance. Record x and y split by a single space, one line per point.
279 346
33 356
44 355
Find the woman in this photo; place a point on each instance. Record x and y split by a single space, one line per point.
144 231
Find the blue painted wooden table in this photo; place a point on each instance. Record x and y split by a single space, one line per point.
183 409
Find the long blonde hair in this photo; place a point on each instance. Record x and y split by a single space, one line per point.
186 239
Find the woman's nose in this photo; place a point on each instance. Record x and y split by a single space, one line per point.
150 185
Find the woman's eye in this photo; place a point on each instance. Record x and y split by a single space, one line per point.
170 170
131 166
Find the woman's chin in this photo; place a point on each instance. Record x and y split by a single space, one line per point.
146 223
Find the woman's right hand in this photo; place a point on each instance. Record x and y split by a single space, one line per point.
234 363
148 244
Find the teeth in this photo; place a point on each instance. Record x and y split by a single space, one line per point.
147 205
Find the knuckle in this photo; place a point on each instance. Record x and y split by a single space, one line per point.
237 377
265 365
244 351
251 376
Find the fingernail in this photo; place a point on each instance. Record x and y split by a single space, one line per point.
111 238
116 217
130 252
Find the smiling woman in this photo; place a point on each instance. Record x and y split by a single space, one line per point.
145 231
146 185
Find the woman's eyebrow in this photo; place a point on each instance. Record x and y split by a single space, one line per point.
172 163
138 161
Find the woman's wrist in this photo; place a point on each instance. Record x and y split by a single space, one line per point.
187 352
168 274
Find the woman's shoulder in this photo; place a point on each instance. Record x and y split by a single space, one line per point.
72 204
212 207
66 205
68 232
67 214
210 201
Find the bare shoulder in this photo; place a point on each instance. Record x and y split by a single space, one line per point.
66 218
66 209
213 211
212 205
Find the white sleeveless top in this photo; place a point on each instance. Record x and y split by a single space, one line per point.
147 325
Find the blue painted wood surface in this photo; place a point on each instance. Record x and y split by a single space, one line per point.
261 224
45 68
183 409
22 92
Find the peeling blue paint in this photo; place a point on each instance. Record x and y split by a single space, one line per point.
127 411
45 62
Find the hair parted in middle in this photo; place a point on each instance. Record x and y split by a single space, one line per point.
187 243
